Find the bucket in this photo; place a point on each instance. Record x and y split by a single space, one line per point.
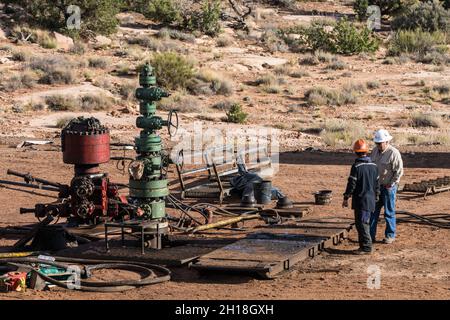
263 191
323 197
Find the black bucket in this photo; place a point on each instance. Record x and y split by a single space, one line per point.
263 191
323 197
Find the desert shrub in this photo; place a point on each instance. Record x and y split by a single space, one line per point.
348 94
224 105
343 38
442 88
206 20
180 103
47 42
97 15
373 84
98 62
153 43
428 16
165 11
166 33
341 133
348 39
323 56
95 102
58 76
172 70
209 82
127 90
298 74
337 65
420 120
309 60
20 55
78 48
272 88
62 103
62 122
434 57
417 42
236 114
18 81
224 41
53 69
273 42
360 8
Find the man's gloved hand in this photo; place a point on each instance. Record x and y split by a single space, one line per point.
377 198
345 203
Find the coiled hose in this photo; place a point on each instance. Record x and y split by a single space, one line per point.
147 271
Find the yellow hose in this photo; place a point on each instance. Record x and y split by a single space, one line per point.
16 254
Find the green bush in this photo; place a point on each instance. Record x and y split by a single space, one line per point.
236 114
205 20
164 11
360 8
344 38
417 42
349 40
172 70
428 16
97 15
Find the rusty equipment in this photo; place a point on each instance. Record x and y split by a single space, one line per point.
90 198
428 187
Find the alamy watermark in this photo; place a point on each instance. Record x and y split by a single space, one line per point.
197 145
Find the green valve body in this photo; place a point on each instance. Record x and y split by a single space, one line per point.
148 187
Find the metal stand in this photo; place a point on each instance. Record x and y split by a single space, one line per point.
143 228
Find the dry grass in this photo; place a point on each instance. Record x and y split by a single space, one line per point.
98 62
341 133
25 79
54 69
181 103
62 122
348 94
62 103
209 81
421 120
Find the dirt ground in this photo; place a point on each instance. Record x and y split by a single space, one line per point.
416 266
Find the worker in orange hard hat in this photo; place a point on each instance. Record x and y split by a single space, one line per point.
364 189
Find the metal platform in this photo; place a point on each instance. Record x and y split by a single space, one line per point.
182 250
277 248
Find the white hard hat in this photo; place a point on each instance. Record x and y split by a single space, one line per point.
382 136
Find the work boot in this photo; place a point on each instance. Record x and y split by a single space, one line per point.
362 252
388 240
284 203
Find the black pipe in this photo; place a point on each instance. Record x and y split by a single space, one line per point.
29 178
29 185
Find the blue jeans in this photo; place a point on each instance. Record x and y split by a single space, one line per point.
387 200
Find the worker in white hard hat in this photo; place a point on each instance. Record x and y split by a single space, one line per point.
390 167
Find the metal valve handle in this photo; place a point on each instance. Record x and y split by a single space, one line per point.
171 125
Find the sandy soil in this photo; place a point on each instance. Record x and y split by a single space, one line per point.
416 266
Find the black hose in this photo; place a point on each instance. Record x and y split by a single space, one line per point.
146 270
425 220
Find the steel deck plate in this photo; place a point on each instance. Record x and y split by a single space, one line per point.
276 248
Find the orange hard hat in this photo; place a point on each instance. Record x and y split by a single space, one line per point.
360 146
